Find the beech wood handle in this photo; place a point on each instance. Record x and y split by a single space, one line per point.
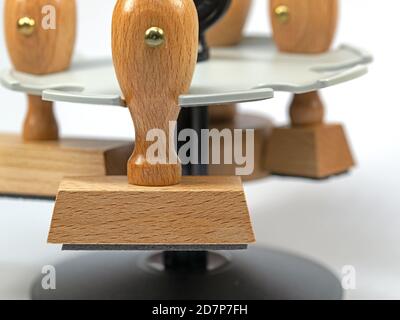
306 26
155 46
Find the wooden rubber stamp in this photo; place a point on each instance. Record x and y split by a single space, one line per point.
40 36
154 205
228 31
309 147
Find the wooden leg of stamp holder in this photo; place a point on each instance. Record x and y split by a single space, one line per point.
309 147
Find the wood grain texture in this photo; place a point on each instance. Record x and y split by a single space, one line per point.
307 109
309 148
263 128
314 152
40 123
222 113
311 26
44 51
36 168
228 31
199 211
152 79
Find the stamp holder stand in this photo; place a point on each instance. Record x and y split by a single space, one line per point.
252 71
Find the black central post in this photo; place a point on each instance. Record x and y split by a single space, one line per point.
196 119
190 261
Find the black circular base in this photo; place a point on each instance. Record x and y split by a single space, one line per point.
245 275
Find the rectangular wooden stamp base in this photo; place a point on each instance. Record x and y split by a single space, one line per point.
109 211
35 169
313 152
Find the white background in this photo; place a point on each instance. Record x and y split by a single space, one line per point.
349 220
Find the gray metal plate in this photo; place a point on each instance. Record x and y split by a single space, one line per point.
249 72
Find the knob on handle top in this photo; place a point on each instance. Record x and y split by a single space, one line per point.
155 46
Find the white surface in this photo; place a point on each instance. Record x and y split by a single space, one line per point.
352 219
247 72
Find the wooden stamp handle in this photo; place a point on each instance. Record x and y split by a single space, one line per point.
154 66
40 123
164 169
306 110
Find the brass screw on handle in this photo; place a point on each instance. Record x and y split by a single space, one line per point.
282 13
154 37
26 26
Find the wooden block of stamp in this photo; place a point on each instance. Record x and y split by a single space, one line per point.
153 205
309 147
36 168
109 211
313 152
